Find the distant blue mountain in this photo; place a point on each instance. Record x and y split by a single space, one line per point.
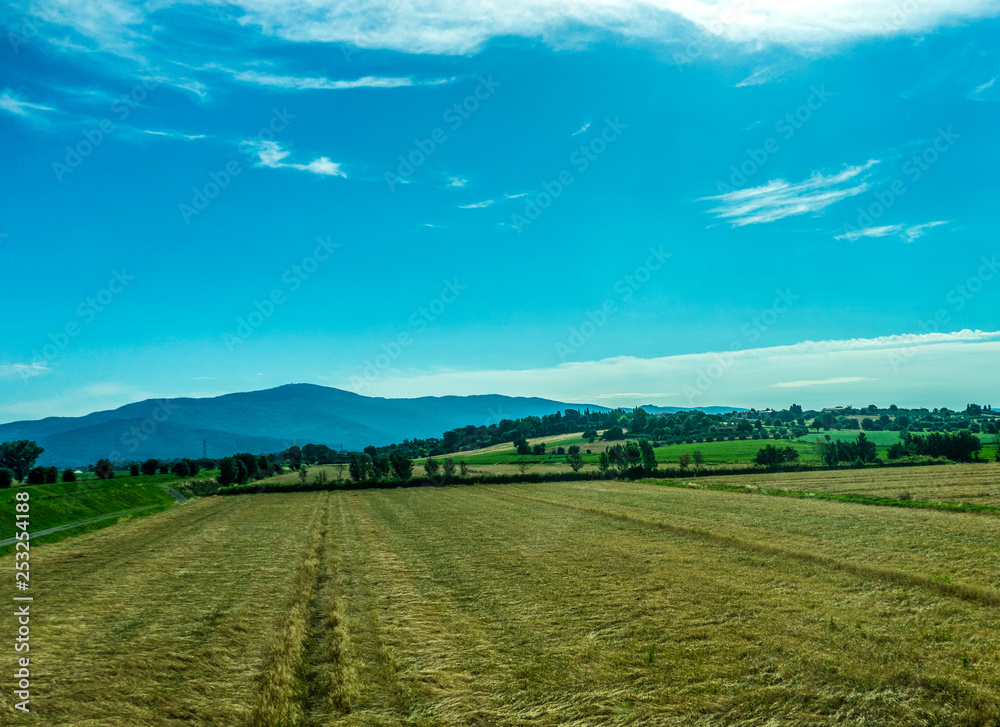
674 409
263 421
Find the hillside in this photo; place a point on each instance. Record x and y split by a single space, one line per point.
262 421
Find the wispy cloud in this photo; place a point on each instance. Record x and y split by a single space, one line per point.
824 382
19 107
912 233
581 129
456 182
22 370
311 84
174 135
272 155
880 231
477 205
985 86
907 233
779 199
515 196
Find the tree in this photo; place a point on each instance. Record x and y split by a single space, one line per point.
590 435
575 460
604 462
6 477
133 469
684 460
294 456
402 466
250 464
68 476
463 468
521 445
150 466
164 468
242 473
36 476
19 456
538 448
523 465
104 469
381 466
448 468
648 456
431 468
699 458
51 475
574 449
613 434
227 471
181 469
263 466
360 467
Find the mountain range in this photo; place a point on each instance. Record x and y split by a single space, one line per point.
265 421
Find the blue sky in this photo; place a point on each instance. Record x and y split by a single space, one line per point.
613 202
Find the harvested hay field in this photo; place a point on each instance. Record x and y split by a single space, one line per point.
585 603
977 484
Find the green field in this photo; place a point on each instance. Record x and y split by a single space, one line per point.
70 502
584 603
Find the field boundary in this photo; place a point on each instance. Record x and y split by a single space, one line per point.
832 496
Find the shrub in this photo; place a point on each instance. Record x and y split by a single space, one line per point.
68 476
36 476
6 477
133 469
104 469
51 475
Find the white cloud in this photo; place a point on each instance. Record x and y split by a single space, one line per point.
174 135
907 233
912 233
23 371
985 86
12 104
515 196
778 199
456 182
460 26
880 231
272 155
910 369
476 205
581 129
307 84
824 382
